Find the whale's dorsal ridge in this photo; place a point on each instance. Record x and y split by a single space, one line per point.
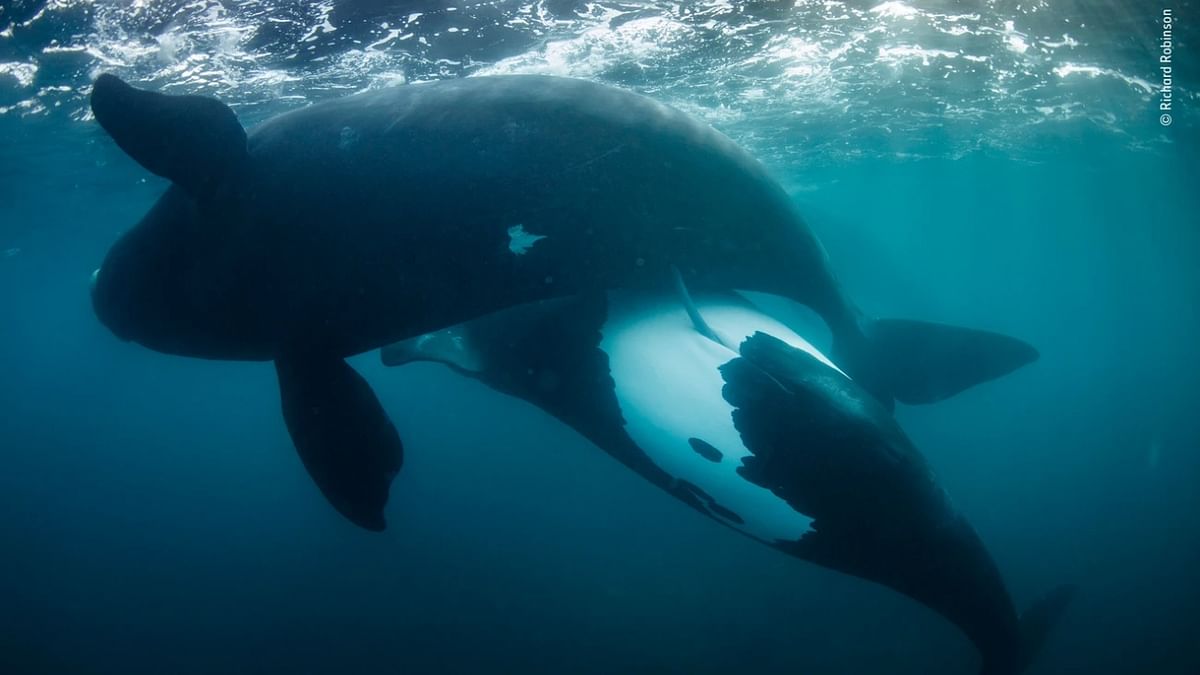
193 141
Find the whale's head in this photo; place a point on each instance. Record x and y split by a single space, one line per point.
145 290
160 284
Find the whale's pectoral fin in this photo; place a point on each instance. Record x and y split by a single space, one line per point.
194 141
344 437
919 362
506 343
451 346
698 322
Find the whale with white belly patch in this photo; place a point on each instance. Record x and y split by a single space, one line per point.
747 421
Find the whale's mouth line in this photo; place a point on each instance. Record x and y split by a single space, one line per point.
92 281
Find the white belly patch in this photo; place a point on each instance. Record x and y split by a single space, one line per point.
668 387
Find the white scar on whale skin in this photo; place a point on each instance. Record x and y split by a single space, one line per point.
520 241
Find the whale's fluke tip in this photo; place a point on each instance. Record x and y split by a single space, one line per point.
918 362
193 141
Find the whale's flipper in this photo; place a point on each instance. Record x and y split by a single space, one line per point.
451 346
1039 620
193 141
917 362
344 437
698 322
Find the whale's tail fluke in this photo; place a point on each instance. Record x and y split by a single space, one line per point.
193 141
1036 624
1039 620
917 362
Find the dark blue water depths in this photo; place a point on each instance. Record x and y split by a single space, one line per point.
154 519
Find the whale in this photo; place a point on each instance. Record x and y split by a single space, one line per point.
746 420
357 222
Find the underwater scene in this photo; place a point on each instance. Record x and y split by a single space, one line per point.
813 337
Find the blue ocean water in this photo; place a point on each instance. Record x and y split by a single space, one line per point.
153 515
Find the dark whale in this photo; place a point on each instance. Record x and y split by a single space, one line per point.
748 422
357 222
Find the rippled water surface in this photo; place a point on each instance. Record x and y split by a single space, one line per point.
796 80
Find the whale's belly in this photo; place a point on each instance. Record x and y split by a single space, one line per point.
668 385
